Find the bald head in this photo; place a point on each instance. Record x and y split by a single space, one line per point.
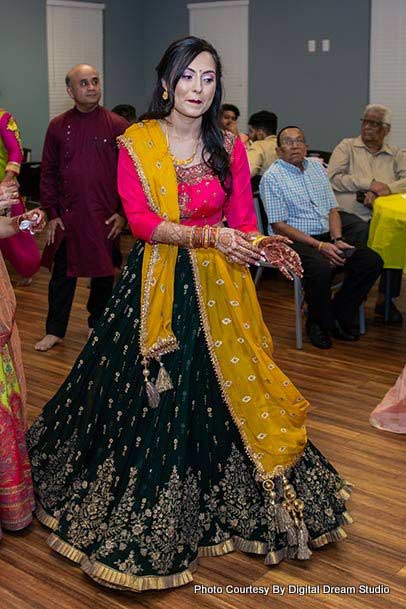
78 68
83 86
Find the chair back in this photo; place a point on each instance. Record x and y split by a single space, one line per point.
260 213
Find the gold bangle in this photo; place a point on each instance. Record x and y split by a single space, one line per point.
206 240
213 236
204 237
197 241
258 239
191 236
320 246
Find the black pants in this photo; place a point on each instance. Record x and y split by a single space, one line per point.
61 291
360 231
360 273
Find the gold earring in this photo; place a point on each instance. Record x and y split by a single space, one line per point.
165 95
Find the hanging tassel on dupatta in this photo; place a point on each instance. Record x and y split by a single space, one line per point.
294 507
303 550
150 388
289 516
163 381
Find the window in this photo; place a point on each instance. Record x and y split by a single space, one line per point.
387 63
225 26
75 35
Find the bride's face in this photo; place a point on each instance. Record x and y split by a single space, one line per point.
196 87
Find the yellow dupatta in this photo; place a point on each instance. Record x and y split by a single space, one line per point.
267 409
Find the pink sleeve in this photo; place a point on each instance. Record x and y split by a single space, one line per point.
141 219
12 142
239 208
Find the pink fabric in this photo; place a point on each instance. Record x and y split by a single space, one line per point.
244 138
21 250
201 197
12 145
390 414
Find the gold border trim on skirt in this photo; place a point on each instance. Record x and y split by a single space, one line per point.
46 519
112 578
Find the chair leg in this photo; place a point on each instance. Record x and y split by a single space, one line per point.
388 298
361 315
298 312
258 275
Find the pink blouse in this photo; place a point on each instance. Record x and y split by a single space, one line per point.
201 197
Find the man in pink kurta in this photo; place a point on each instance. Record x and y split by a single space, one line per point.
79 193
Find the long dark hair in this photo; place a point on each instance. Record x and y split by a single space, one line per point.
177 57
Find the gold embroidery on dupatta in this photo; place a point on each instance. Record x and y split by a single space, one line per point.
161 346
277 458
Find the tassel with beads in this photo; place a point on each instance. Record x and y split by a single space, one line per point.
151 390
303 550
163 381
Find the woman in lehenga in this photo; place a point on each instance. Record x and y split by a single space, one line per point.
176 436
16 493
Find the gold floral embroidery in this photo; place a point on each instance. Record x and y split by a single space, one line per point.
12 126
87 516
195 174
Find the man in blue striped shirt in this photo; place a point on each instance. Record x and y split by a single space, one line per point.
300 204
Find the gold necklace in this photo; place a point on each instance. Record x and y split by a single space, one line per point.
181 162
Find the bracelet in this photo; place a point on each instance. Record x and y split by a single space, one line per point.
320 246
258 239
334 241
191 237
198 237
206 236
216 236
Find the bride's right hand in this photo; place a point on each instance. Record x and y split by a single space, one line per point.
237 247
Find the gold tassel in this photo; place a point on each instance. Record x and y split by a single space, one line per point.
163 381
152 391
153 394
303 550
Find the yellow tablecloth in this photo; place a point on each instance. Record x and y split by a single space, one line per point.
387 233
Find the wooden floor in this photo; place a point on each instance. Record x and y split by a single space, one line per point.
343 384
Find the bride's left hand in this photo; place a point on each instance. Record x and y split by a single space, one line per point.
276 250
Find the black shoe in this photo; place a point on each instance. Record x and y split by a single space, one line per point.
342 332
395 316
318 337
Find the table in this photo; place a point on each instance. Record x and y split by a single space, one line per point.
387 235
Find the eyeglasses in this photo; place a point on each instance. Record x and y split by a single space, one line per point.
289 142
374 124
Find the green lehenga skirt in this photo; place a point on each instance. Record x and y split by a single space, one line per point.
136 495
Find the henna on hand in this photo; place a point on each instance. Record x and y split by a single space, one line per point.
278 253
237 246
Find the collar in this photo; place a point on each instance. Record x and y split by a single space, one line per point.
293 168
79 113
386 149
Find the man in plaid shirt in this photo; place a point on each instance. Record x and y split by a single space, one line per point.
300 204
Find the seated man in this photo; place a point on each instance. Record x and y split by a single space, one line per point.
300 204
364 168
262 128
229 115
